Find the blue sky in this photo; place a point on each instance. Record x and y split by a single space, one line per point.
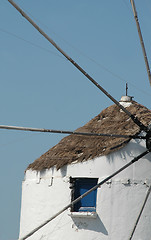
40 88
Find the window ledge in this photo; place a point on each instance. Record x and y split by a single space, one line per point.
83 214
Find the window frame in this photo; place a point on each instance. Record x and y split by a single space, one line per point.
78 184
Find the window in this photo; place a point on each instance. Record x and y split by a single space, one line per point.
79 186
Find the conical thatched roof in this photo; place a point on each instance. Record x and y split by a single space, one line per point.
81 148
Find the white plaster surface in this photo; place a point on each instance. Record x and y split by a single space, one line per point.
118 201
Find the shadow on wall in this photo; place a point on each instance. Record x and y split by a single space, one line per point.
132 149
93 224
63 171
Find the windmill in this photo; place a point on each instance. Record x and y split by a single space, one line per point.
132 116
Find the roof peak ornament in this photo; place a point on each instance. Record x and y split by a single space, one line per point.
126 99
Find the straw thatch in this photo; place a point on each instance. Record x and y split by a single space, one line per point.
75 148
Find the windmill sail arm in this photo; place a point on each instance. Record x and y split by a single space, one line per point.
29 129
134 118
141 40
140 213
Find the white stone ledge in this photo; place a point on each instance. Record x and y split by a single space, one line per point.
83 214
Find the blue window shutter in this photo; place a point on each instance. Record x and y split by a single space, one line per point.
81 186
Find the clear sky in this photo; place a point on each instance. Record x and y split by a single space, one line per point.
40 88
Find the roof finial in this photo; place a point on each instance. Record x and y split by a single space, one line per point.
126 88
126 98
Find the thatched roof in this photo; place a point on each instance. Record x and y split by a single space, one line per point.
81 148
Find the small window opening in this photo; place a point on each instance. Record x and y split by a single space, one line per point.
79 186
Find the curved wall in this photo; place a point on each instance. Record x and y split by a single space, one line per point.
118 201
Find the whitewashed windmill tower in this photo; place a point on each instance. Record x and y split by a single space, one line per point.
77 164
110 158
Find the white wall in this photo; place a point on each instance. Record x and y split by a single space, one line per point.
118 203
